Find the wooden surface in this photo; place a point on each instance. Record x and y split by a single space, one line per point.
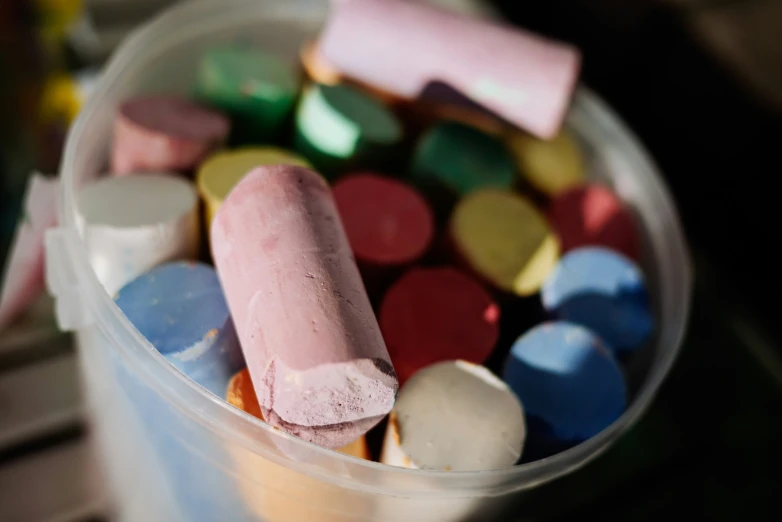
47 473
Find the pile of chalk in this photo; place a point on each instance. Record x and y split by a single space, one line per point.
412 271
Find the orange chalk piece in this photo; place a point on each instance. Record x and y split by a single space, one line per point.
241 394
435 314
388 223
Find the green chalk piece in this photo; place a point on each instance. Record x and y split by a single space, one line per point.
256 89
461 159
340 128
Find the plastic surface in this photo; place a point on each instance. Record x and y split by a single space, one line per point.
172 451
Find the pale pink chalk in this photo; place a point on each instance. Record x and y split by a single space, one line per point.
164 133
310 338
404 46
23 278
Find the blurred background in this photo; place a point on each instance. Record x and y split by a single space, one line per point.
699 82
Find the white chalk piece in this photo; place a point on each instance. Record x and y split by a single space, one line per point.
134 223
455 416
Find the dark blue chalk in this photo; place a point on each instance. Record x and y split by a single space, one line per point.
569 383
180 308
604 291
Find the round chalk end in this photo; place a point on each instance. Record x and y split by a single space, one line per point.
387 221
249 83
593 215
316 67
550 166
220 173
567 379
435 314
455 416
462 159
241 394
603 291
504 239
338 120
175 117
137 200
175 305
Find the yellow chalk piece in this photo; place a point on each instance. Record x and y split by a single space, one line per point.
505 239
220 173
60 100
550 166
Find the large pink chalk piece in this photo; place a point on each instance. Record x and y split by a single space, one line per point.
312 343
406 47
164 133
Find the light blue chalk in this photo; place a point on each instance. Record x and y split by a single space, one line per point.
180 308
567 380
604 291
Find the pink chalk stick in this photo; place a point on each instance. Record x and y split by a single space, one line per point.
313 347
164 133
23 278
406 46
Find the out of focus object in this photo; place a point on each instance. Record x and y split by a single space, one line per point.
412 50
745 36
23 275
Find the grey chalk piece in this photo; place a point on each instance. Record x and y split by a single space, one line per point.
179 307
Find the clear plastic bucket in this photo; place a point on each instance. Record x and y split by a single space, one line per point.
171 451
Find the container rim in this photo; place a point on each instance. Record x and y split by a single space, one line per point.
183 393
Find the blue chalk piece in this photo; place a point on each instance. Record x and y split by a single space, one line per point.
180 308
569 383
604 291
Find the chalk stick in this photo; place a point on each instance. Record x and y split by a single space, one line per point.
592 215
339 127
164 133
455 416
550 166
435 314
241 394
401 47
218 175
134 223
604 291
257 89
180 308
314 350
567 379
23 275
388 222
461 159
504 239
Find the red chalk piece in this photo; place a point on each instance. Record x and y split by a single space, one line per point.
437 314
388 222
164 133
406 47
593 215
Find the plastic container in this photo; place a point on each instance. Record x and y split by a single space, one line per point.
171 451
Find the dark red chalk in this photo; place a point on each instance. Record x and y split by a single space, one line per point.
436 314
594 215
388 223
164 133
